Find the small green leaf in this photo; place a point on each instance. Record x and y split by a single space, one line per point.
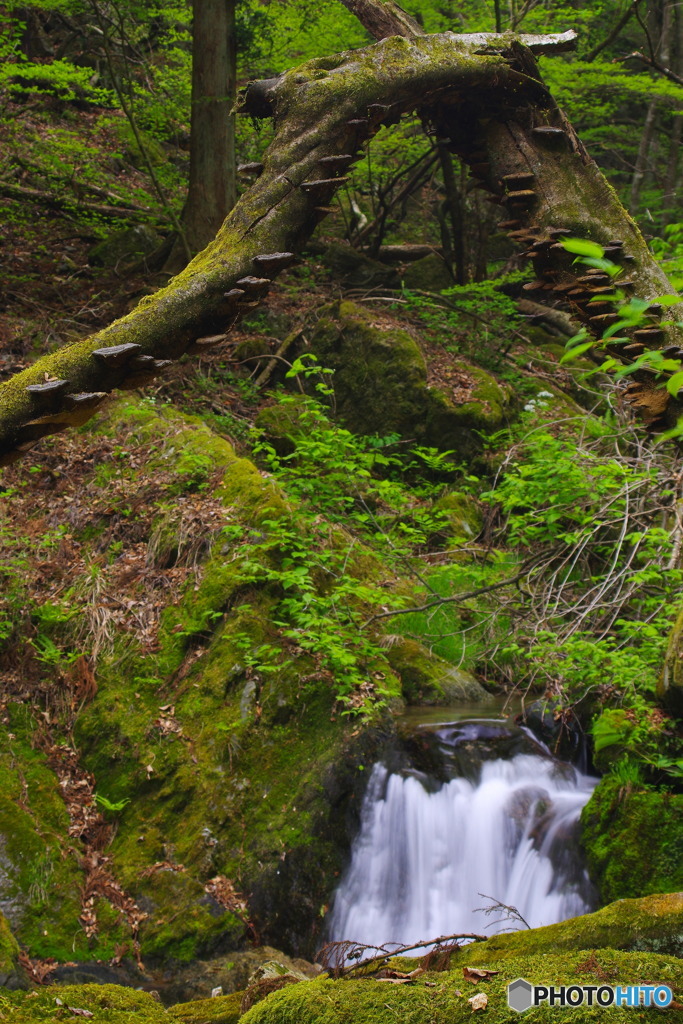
582 247
675 383
578 350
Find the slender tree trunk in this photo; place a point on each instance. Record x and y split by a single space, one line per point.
212 190
456 251
673 170
643 157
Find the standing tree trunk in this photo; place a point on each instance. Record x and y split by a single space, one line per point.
212 190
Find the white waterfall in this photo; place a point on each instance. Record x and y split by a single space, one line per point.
425 853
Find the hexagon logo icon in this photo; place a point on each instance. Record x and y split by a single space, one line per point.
520 995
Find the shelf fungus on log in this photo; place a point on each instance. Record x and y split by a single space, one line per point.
322 188
337 162
272 263
252 169
521 197
547 133
142 370
211 341
521 179
84 400
49 394
116 356
254 287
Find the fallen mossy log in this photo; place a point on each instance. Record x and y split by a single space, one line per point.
481 92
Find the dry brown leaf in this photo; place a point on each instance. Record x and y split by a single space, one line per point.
477 974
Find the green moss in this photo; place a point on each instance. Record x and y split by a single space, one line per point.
653 923
427 679
670 683
381 386
380 373
10 974
108 1004
622 831
41 886
462 513
429 274
219 1010
445 1000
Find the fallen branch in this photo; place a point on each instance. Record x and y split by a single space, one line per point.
71 205
349 950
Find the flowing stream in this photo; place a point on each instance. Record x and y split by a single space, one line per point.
496 815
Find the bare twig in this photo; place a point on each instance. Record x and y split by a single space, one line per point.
333 955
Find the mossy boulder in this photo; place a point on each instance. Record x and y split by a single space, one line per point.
11 974
622 830
231 775
230 972
128 246
670 683
356 269
442 998
219 1010
381 385
428 679
652 924
462 515
39 876
105 1004
429 274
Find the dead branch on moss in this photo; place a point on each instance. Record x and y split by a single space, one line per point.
334 955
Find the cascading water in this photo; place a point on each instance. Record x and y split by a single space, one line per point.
504 826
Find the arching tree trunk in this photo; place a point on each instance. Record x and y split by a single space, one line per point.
480 92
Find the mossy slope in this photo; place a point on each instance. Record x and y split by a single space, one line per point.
214 762
653 923
374 1002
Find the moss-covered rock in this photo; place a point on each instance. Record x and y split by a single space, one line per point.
11 973
128 246
230 972
219 1010
106 1004
462 514
670 683
356 269
442 998
381 384
39 875
428 679
219 748
653 924
429 274
623 830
